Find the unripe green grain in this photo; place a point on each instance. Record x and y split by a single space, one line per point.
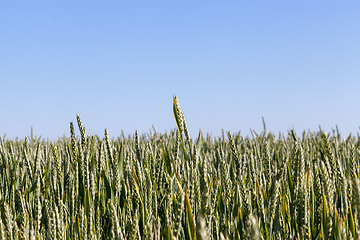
82 132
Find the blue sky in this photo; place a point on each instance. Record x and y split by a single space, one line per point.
119 63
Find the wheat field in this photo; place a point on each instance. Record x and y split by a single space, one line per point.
170 186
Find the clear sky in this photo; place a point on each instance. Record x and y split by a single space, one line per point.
230 63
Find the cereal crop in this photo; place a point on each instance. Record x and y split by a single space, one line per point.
171 186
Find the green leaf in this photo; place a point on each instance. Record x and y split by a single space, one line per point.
324 224
220 202
33 187
178 180
291 185
87 202
137 188
78 227
166 159
351 222
337 224
190 218
109 190
121 160
170 235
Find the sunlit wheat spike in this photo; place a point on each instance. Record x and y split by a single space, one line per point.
26 145
182 123
246 202
73 141
234 152
2 230
318 196
267 164
108 145
51 220
273 201
300 171
59 223
327 183
351 163
115 222
56 160
8 221
2 147
177 146
24 218
331 163
27 163
180 114
344 197
82 131
137 148
38 207
356 186
86 169
83 223
37 160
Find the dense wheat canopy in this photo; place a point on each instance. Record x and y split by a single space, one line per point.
170 186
